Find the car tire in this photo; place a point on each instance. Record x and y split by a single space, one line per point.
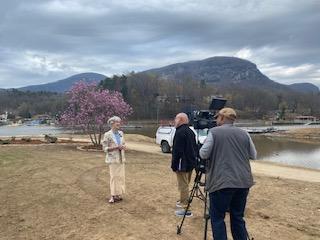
165 148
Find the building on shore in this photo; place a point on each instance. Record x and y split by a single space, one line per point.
304 119
4 117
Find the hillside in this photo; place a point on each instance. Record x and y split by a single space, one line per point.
65 84
224 71
304 87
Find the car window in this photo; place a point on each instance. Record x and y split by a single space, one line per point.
201 132
165 130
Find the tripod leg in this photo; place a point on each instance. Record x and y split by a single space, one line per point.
206 215
248 236
193 191
186 210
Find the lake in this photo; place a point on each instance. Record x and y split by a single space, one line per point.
24 130
269 149
287 152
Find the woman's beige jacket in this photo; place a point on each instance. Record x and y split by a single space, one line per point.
109 141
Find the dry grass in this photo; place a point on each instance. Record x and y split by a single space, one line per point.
57 192
139 138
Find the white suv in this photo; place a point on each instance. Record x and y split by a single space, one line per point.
165 135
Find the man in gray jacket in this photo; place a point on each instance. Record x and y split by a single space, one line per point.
228 150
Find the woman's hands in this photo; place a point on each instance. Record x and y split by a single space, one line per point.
119 147
122 147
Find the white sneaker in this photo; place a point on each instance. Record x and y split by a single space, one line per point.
181 213
178 204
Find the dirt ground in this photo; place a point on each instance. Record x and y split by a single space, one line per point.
58 192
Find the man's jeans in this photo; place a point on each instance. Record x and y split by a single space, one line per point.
234 200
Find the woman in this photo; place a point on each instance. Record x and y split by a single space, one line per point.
114 145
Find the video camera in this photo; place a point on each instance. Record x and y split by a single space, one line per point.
204 119
201 119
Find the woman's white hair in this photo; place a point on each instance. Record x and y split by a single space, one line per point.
113 119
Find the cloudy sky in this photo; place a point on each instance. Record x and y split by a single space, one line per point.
47 40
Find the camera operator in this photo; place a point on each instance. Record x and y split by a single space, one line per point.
228 150
184 153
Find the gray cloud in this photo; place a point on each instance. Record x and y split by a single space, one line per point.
43 41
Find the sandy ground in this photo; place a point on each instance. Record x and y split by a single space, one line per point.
146 144
308 135
58 192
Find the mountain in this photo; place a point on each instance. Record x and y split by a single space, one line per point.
218 71
65 84
224 71
304 87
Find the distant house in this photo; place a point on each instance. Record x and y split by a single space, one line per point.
42 117
182 99
4 117
305 119
162 98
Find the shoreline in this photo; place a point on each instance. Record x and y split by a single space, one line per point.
140 143
307 135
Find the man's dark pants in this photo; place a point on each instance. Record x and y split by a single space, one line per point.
234 200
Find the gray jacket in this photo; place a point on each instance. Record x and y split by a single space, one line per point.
228 150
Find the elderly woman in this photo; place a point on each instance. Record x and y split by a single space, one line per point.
114 146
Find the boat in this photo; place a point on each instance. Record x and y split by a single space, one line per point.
261 130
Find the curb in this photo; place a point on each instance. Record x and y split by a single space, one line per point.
81 148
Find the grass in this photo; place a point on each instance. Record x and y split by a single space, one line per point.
57 192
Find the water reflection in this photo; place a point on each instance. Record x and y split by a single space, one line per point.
288 152
25 130
147 130
267 146
302 159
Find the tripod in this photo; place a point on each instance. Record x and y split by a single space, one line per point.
200 194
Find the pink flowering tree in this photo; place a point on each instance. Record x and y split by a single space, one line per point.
90 108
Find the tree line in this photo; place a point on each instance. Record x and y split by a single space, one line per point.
27 104
154 98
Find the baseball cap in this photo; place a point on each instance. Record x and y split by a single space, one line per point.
228 113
